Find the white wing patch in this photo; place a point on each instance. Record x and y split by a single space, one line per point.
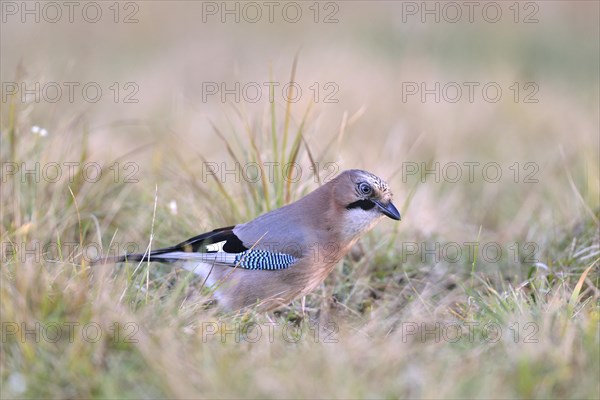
216 246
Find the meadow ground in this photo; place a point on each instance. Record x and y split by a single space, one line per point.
489 287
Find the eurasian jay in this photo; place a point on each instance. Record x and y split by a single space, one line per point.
287 252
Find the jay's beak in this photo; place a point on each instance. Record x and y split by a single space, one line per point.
388 209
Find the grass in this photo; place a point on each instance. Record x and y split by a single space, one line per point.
392 321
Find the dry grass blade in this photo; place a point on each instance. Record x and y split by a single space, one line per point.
313 163
221 188
288 107
273 115
294 155
263 176
573 300
237 161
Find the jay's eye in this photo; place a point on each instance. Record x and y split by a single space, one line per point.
365 188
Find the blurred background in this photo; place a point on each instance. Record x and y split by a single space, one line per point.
407 82
482 116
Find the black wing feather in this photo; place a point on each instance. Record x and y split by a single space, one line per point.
196 244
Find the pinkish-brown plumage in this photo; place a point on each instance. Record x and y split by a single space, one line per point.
317 231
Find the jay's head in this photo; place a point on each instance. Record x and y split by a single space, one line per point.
364 196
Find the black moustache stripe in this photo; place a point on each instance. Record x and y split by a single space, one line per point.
362 204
